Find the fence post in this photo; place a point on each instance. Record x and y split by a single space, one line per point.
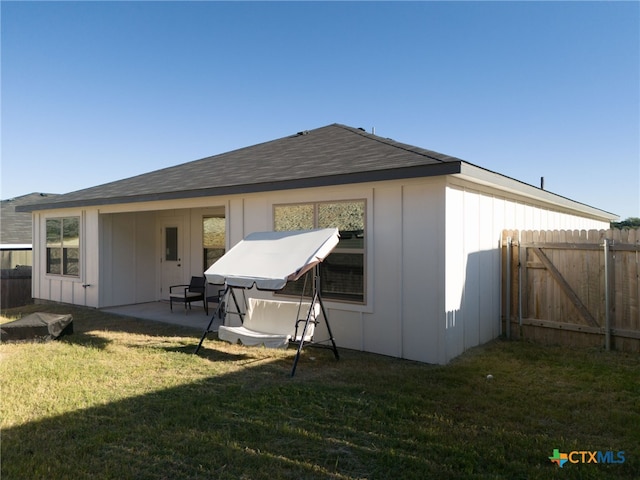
607 300
508 290
522 258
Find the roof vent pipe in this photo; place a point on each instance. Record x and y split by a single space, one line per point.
541 183
373 130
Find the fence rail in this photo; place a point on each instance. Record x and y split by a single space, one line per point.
572 287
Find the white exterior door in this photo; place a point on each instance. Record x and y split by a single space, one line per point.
172 254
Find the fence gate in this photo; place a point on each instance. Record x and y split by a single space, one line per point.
572 287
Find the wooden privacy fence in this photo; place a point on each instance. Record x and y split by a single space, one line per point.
572 287
15 287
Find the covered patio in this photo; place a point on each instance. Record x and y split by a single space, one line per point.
160 312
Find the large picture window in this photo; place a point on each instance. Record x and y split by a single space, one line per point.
63 246
342 273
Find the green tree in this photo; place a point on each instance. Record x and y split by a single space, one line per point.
631 222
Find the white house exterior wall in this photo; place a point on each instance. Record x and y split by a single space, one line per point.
254 212
81 290
422 275
385 316
128 258
405 276
475 218
432 250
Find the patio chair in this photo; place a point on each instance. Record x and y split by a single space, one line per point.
195 291
218 296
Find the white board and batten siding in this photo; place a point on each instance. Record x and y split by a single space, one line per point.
404 272
129 258
433 273
475 218
432 251
72 290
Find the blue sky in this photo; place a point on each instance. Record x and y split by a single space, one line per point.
99 91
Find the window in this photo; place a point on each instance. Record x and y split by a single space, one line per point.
342 273
213 239
63 246
171 244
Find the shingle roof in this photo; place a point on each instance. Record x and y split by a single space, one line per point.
334 154
15 227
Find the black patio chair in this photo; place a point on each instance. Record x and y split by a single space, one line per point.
195 291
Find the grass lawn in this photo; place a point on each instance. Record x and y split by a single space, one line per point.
126 399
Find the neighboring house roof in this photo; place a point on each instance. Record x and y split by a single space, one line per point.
15 227
331 155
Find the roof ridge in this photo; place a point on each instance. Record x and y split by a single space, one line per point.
314 157
390 142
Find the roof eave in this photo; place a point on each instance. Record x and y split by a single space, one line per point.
503 182
431 170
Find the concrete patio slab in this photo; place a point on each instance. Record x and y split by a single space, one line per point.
160 312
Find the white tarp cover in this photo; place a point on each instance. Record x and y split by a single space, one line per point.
269 260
